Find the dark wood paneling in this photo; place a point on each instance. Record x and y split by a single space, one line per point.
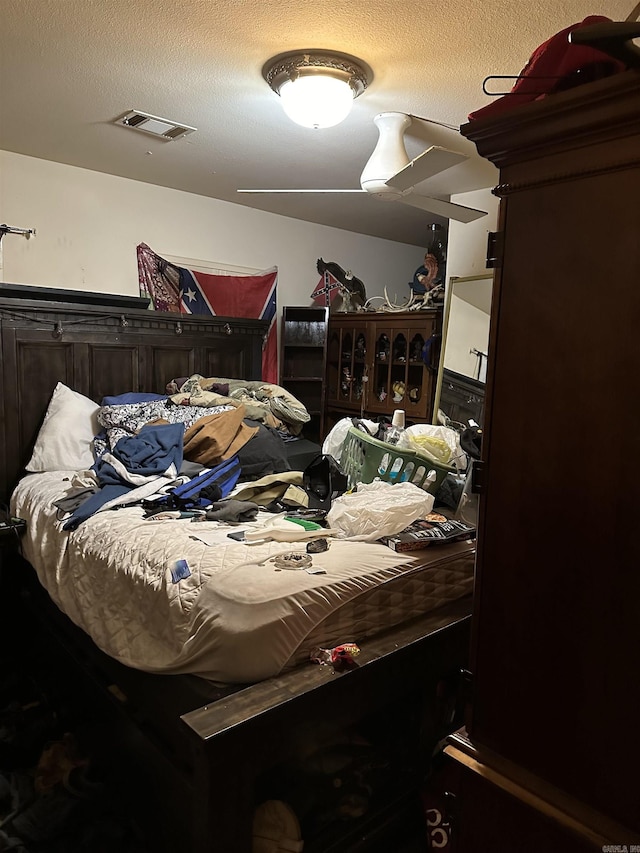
228 359
112 370
165 363
40 363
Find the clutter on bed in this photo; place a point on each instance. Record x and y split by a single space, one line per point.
122 529
116 535
263 401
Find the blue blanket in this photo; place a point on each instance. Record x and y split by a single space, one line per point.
156 451
150 453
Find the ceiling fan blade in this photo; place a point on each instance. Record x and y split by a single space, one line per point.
431 162
448 209
284 192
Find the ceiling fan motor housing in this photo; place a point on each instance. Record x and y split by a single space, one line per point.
389 156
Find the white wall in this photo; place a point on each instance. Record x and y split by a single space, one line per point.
467 247
88 225
468 327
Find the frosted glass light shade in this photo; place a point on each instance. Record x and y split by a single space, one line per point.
317 100
317 87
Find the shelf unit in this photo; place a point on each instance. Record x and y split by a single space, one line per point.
303 362
375 364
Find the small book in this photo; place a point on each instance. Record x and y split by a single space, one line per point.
423 533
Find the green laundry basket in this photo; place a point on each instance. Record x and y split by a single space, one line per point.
365 458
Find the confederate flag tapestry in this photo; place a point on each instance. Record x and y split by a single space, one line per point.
188 291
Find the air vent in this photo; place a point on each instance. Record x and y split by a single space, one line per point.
162 128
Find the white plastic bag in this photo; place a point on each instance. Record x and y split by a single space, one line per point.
378 509
332 445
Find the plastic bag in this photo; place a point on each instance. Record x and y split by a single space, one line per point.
378 509
429 437
332 445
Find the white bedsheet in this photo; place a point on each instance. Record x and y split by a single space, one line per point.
235 619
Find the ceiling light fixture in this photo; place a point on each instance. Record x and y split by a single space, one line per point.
317 87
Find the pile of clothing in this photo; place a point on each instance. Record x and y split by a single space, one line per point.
148 446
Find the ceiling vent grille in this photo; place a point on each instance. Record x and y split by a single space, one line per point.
161 128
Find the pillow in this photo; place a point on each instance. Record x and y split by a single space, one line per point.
64 440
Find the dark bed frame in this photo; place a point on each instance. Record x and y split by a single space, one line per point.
208 748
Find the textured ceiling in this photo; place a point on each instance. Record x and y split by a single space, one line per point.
69 68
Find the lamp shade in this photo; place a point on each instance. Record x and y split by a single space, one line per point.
316 100
316 88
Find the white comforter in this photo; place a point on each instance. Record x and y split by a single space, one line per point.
236 618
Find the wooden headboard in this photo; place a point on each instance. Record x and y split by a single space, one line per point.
101 345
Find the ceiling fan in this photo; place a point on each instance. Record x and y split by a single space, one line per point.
390 175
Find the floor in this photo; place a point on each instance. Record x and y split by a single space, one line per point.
60 785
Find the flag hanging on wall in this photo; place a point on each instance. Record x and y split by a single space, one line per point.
189 291
326 289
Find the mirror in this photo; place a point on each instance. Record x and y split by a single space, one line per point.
465 342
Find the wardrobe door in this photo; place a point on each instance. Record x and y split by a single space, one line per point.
555 637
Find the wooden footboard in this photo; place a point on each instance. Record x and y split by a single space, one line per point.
256 728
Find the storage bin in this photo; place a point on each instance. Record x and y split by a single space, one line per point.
364 458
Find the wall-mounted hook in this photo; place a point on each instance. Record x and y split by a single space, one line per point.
57 331
123 322
178 329
227 329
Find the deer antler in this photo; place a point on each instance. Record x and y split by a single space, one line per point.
393 306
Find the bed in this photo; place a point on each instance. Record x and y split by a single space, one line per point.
214 671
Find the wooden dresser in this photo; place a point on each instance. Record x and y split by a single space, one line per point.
555 692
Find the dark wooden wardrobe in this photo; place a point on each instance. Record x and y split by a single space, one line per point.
551 754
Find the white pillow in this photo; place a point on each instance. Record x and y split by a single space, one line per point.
65 437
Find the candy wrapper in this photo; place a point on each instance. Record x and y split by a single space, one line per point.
340 657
